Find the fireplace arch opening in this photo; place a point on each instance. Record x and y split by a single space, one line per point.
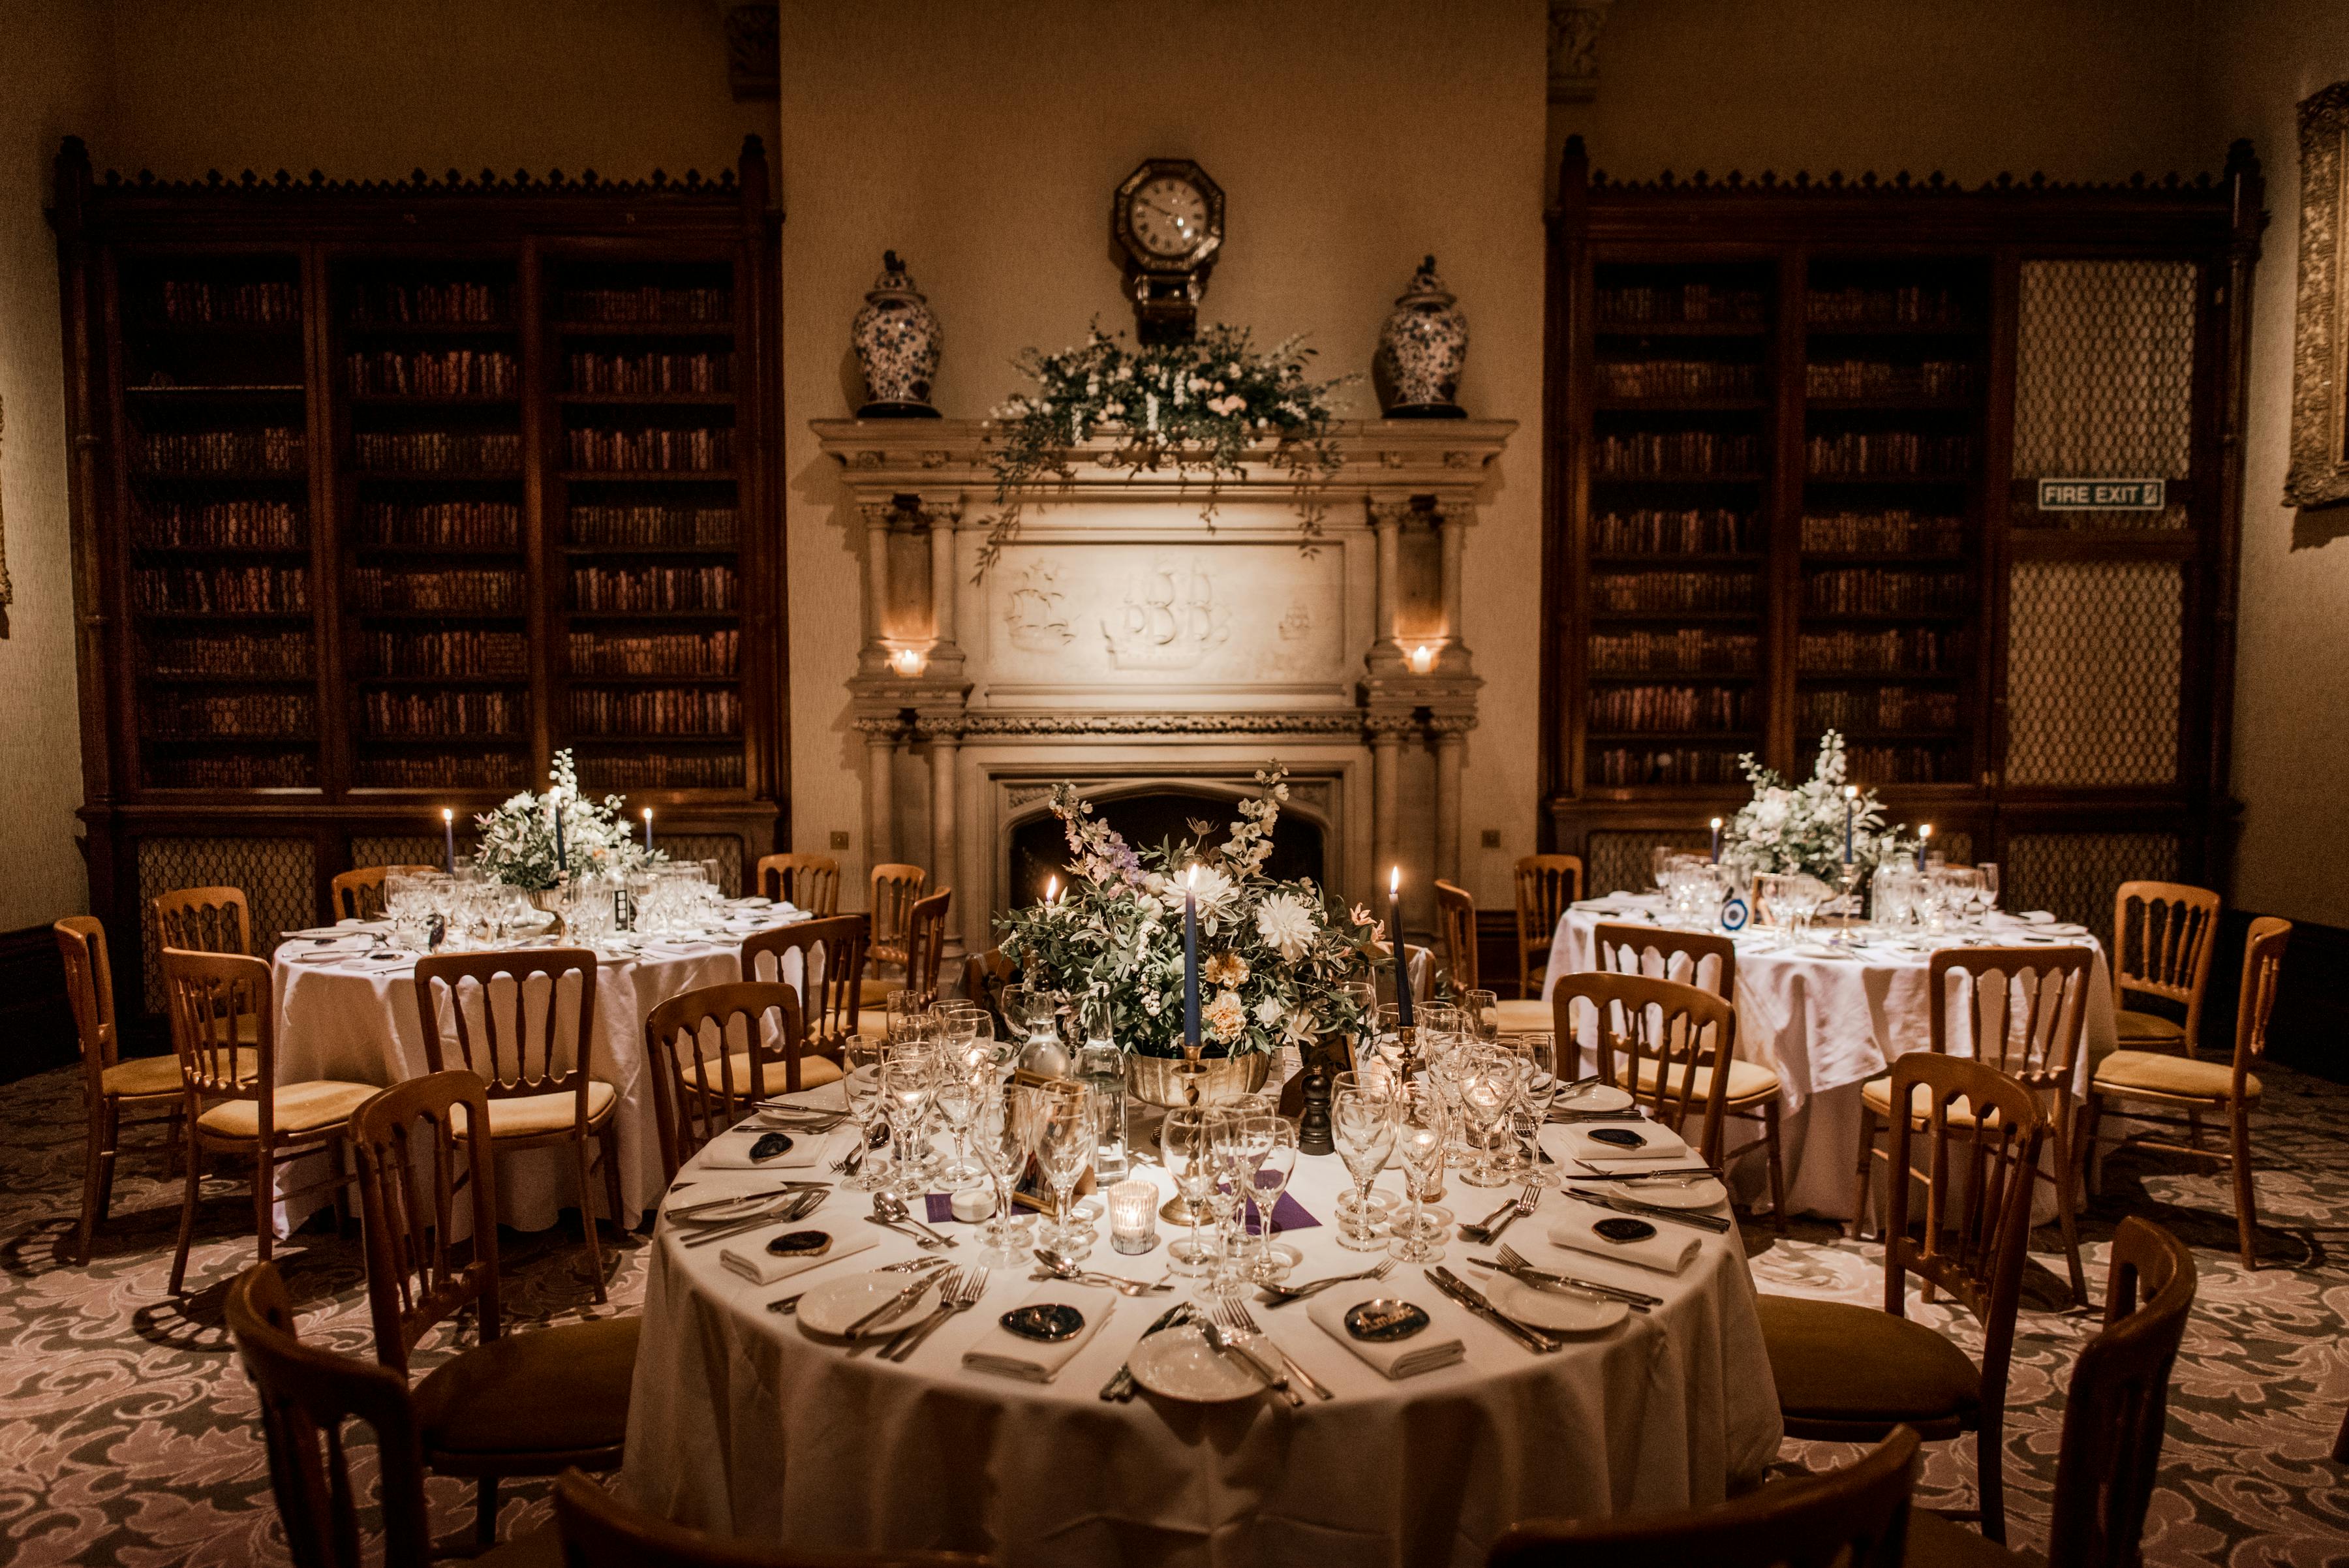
1149 814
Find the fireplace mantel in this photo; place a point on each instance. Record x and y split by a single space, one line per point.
1123 641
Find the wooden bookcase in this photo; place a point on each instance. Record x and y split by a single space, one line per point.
1795 433
386 493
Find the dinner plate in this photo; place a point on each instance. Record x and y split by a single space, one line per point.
1551 1310
1693 1193
1593 1097
1179 1364
832 1308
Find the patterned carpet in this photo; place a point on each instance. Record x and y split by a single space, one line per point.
127 1435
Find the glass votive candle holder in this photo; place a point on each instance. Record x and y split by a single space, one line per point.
1133 1216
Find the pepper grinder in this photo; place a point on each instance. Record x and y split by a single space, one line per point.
1313 1123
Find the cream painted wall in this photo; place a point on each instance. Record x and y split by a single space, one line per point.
2291 688
983 143
48 78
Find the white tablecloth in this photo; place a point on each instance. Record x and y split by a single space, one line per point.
358 1022
1827 1025
741 1424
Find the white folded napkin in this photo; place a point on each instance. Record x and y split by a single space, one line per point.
731 1151
760 1266
1668 1251
1662 1143
1005 1352
1398 1359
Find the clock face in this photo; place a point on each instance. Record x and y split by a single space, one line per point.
1169 215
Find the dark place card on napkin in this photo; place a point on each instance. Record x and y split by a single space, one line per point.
1289 1214
940 1206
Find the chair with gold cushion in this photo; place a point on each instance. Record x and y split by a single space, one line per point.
230 1092
809 882
1849 1374
2162 935
1456 929
2026 1012
524 1021
1546 886
1708 962
1856 1517
1668 1063
509 1404
2109 1455
599 1531
895 889
357 894
715 1055
308 1396
828 957
2156 1078
109 1085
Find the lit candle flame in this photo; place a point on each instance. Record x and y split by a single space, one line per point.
1716 824
1423 659
1924 833
1191 877
448 816
1394 880
1851 792
1052 889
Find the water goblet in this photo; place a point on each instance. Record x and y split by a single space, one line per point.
1362 1125
1486 1087
1419 1142
1064 1144
1274 1258
1989 869
1187 1140
1003 1129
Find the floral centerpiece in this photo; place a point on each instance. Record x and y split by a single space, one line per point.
1791 828
518 839
1199 408
1271 952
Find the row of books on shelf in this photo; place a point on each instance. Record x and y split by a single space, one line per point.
1642 305
270 449
650 373
637 770
1672 708
231 590
241 525
1877 379
1679 379
265 770
441 373
1895 650
474 590
462 714
458 303
1877 591
472 770
713 653
1657 531
1683 652
1886 708
1849 452
445 653
650 305
1889 533
276 655
1903 764
442 525
1874 304
178 714
1663 591
1623 766
652 526
658 450
202 302
683 710
1637 453
437 451
653 588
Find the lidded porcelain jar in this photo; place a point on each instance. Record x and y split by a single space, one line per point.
896 340
1422 349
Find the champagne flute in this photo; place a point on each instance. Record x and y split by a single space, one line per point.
1274 1256
1004 1130
1536 1087
1064 1142
1226 1191
861 1056
1250 1142
1362 1122
1419 1140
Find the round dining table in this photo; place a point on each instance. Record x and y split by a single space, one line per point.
346 1009
1828 1017
746 1422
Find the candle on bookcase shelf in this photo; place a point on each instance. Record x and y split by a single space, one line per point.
1402 952
1850 794
448 824
1190 959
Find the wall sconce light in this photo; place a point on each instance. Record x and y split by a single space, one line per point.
907 662
1421 658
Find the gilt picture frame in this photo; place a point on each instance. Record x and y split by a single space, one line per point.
2319 474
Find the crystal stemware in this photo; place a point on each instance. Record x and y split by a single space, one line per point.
1187 1140
1274 1258
1064 1144
1362 1125
1004 1132
1419 1141
1487 1086
960 1088
866 1109
1536 1087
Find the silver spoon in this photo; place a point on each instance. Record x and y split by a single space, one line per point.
889 1206
1065 1268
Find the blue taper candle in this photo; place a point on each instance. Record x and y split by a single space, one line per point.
1191 961
1716 841
1851 793
556 804
648 830
1402 952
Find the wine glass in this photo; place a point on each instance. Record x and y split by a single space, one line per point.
906 1085
1274 1256
1660 864
866 1108
1064 1144
1357 1001
1003 1129
1362 1125
960 1088
1989 869
1480 1014
1248 1140
1487 1085
1419 1141
1187 1140
1537 1086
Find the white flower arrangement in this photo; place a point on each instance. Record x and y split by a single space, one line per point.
1789 828
517 844
1271 952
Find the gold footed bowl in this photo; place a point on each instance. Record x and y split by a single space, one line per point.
1222 1080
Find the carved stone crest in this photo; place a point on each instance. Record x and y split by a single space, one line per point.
1033 614
1169 619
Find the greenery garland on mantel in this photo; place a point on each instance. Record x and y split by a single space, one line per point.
1203 409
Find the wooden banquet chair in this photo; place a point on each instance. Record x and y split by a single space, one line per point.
1455 926
357 894
1849 1374
599 1531
109 1085
2162 935
895 889
1755 1091
809 882
702 1083
2109 1455
230 1094
204 920
926 945
530 1404
2027 1010
307 1396
1856 1517
832 955
1547 885
1670 1068
542 1090
2183 1084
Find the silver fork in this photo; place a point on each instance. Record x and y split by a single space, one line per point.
1517 1210
1511 1261
1232 1313
961 1294
1284 1294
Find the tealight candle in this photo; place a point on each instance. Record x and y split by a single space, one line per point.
908 661
1132 1216
1423 659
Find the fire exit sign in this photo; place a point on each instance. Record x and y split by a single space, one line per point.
2103 494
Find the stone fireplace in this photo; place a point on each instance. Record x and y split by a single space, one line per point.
1156 660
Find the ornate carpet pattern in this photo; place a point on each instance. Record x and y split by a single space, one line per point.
127 1432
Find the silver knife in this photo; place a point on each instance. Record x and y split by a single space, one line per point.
1620 1204
1120 1387
1451 1284
893 1306
1545 1277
